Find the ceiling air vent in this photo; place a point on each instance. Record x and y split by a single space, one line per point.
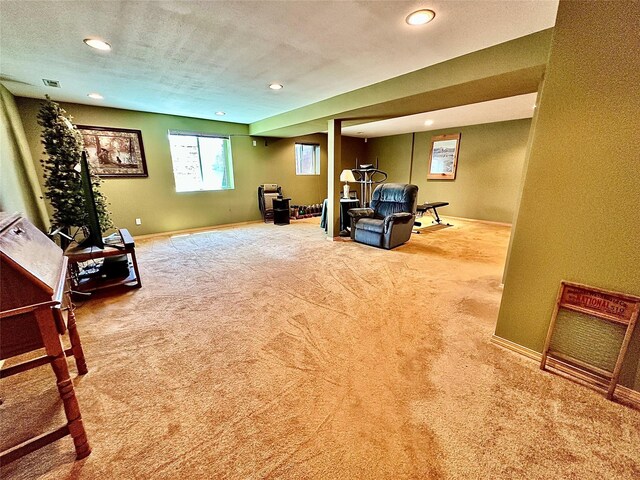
51 83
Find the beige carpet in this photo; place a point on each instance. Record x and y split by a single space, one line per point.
270 352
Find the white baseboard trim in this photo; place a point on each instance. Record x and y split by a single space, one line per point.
514 347
475 220
188 231
624 393
192 230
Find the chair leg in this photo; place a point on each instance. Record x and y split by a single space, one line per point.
53 347
76 345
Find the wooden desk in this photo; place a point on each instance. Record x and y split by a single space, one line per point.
35 311
126 246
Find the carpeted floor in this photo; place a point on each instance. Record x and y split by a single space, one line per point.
269 352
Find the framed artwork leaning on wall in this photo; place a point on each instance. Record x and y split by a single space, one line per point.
443 157
114 152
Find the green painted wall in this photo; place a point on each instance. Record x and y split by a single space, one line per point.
579 217
17 192
155 200
354 152
490 163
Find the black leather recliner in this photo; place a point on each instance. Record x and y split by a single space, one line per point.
389 220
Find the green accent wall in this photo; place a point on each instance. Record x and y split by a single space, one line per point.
19 188
579 216
155 200
354 153
490 163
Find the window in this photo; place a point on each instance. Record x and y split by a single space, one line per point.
201 162
307 159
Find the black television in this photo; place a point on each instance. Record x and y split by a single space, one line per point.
94 232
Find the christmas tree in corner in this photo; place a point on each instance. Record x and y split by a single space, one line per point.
63 146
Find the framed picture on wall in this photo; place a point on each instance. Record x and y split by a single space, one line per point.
443 157
114 152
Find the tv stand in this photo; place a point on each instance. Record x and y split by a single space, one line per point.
97 281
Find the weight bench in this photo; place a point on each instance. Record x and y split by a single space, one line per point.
426 207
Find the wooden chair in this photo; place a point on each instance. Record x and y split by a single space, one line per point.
35 311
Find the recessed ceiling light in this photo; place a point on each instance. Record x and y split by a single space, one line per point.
95 96
97 44
428 122
276 86
220 113
420 17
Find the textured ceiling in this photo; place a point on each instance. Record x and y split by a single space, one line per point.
511 108
195 58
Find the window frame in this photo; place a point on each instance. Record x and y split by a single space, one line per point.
316 156
228 166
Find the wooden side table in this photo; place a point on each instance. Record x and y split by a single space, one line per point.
91 283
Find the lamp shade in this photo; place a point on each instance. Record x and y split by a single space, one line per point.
347 176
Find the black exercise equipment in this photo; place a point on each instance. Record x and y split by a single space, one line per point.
431 207
266 194
367 177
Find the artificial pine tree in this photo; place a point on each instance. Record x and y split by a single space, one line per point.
63 146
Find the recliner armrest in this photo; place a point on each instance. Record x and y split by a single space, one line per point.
358 213
399 218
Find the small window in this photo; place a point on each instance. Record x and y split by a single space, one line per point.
307 159
201 162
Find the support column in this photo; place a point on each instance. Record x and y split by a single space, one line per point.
334 144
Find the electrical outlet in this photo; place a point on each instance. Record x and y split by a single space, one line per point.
138 221
255 143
